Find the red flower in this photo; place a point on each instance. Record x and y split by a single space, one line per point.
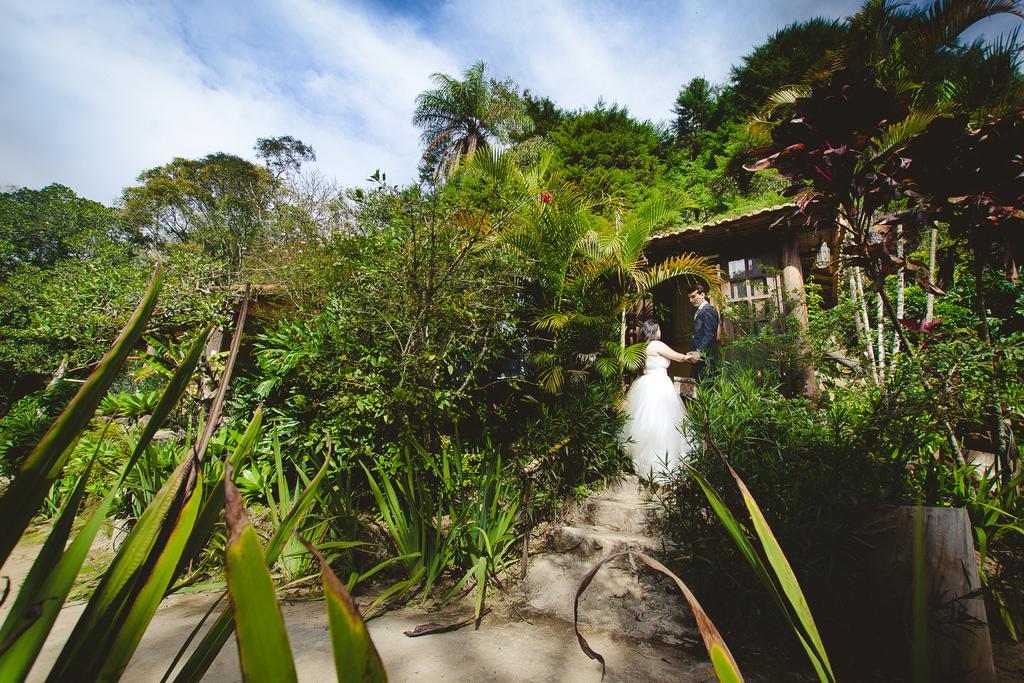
545 197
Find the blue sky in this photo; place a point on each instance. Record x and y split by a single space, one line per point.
96 91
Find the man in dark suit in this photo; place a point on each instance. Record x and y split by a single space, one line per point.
705 334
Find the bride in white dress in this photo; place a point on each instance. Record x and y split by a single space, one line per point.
654 411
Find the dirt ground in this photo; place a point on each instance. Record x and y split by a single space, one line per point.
510 646
506 648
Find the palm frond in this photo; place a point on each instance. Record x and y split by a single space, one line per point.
681 265
899 133
944 21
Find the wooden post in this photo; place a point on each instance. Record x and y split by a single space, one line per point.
953 641
793 291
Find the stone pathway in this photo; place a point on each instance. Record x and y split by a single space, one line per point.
636 620
625 597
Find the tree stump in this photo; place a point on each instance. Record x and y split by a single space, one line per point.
956 635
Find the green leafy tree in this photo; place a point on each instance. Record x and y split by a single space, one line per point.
783 59
544 114
41 227
605 151
695 110
458 116
283 154
221 202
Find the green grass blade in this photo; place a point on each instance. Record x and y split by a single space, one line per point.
214 503
355 657
787 579
128 573
210 646
43 465
263 649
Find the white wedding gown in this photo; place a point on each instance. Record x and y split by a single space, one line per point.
654 413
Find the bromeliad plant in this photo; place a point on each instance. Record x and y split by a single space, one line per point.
172 530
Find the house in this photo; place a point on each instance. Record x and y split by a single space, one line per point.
766 257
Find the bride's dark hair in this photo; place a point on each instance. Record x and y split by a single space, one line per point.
649 329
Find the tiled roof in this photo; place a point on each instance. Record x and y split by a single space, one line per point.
726 221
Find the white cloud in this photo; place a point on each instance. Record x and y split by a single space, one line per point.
95 92
94 97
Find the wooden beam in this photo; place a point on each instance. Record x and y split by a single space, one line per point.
793 292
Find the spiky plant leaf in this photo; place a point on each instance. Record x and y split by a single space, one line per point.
43 465
263 649
355 656
721 658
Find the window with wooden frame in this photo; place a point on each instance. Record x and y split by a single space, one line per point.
751 291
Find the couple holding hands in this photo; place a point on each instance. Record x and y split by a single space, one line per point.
654 410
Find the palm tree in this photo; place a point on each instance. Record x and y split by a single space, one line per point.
921 45
458 116
616 252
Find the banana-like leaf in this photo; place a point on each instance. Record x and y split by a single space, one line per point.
113 622
787 580
355 657
209 647
263 649
32 614
721 658
43 465
214 503
741 538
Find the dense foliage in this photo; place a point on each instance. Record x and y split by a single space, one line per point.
425 368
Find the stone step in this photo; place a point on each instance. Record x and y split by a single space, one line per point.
595 542
632 602
626 488
625 596
615 514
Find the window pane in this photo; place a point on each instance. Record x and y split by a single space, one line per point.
737 268
738 290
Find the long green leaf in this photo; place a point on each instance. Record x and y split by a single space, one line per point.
263 649
355 657
40 596
140 558
214 503
210 646
742 540
48 555
787 578
49 598
148 595
44 464
169 399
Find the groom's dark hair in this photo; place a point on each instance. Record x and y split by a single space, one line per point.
699 287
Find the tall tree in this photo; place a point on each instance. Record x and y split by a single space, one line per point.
42 227
695 110
458 116
606 151
220 202
783 59
283 154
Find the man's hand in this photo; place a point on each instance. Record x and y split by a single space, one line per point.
692 357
